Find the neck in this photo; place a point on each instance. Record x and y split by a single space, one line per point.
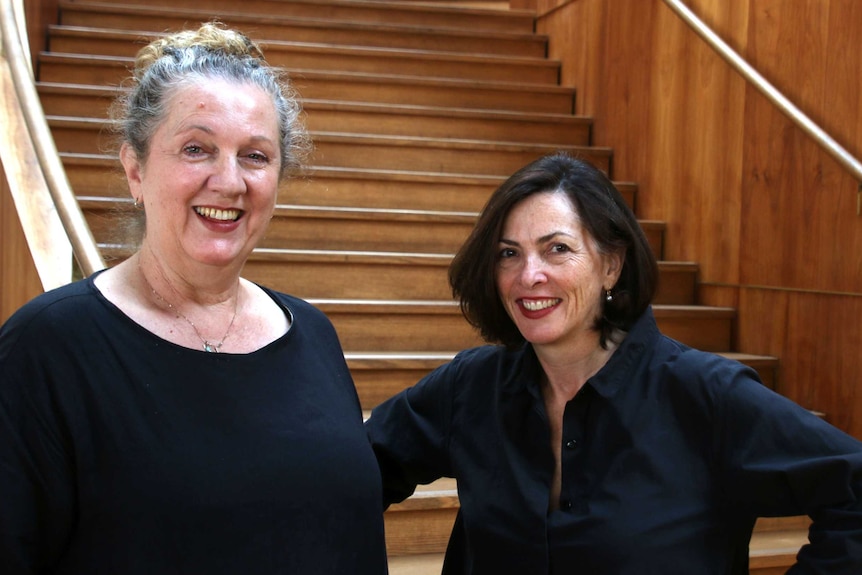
205 317
209 286
567 372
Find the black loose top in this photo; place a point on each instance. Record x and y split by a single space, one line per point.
669 455
122 453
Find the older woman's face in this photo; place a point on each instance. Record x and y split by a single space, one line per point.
550 275
210 182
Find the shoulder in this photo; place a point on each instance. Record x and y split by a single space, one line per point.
484 359
300 309
51 312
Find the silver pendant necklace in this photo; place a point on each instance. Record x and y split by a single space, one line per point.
207 346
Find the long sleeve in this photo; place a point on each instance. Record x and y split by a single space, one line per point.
784 460
409 434
36 484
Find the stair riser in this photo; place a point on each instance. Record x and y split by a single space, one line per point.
315 32
327 188
420 531
292 229
300 57
434 157
552 131
325 118
363 12
346 151
404 281
357 88
400 332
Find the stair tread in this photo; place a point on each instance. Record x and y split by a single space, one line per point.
352 213
311 104
123 62
250 19
100 124
417 15
274 46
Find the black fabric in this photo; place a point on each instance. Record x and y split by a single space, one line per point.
122 453
669 455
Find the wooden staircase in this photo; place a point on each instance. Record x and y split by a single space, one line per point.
418 111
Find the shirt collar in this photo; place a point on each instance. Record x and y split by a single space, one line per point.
610 378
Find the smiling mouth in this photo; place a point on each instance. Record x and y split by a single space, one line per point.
217 214
539 304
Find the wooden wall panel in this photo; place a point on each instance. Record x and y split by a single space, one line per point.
815 335
768 216
19 281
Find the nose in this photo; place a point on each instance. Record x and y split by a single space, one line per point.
227 177
533 271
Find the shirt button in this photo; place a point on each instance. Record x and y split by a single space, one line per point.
566 504
571 444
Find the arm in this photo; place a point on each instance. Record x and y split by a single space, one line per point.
783 460
410 432
36 488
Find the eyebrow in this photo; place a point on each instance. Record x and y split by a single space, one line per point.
545 238
210 131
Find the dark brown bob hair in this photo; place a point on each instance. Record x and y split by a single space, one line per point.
605 216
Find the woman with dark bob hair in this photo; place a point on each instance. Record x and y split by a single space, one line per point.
582 439
604 215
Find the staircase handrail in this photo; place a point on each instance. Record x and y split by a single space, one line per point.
806 124
53 223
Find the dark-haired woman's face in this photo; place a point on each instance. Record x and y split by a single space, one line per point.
550 274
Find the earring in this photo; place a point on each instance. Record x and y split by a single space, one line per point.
138 204
609 296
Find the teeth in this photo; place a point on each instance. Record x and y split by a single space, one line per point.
536 305
216 214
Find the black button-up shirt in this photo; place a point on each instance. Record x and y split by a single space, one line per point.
669 455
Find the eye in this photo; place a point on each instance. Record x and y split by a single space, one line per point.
193 150
258 157
506 253
560 249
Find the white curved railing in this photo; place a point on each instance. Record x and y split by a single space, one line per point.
51 218
833 148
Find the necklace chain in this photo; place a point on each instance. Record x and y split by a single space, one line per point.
207 346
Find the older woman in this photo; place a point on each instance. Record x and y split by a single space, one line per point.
166 415
588 442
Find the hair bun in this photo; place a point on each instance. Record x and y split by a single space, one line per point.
211 36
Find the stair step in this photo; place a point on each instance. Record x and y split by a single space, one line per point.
439 155
331 57
368 325
403 189
360 86
70 101
388 276
333 228
67 102
420 15
398 275
101 175
368 151
311 30
380 375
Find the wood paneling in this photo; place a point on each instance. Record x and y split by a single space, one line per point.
19 282
769 217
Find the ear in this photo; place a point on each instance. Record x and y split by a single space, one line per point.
132 167
613 267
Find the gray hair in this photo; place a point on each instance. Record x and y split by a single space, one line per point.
188 57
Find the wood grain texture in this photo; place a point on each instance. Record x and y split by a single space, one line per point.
20 282
769 217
